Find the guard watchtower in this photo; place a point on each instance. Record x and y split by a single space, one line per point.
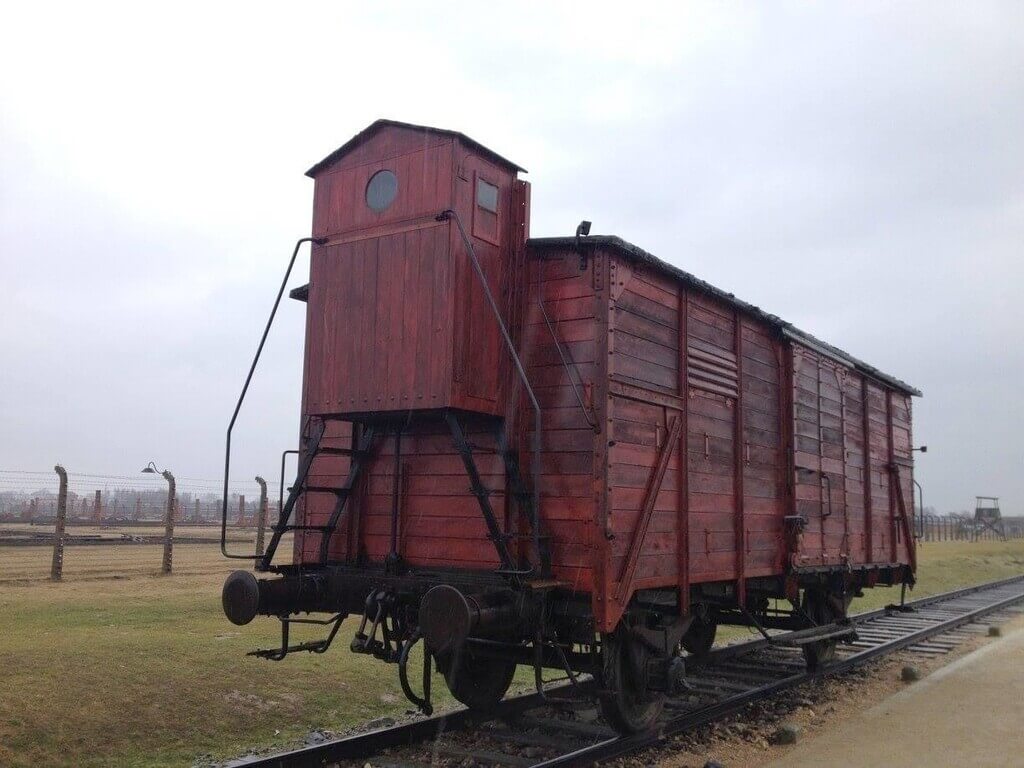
987 517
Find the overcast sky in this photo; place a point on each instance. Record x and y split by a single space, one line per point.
858 172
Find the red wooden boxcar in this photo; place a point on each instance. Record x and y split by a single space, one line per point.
697 462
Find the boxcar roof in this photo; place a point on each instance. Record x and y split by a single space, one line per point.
640 255
377 125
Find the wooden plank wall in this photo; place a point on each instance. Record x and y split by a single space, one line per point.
901 415
834 408
729 488
568 507
478 346
711 454
644 356
763 456
671 353
440 523
854 499
819 456
382 340
339 203
401 317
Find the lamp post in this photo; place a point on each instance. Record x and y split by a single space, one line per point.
152 469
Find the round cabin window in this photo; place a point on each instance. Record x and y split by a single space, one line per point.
381 190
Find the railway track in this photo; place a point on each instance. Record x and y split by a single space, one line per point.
528 732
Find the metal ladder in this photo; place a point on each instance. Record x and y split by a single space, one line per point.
518 491
311 449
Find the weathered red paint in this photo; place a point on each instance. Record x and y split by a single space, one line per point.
770 423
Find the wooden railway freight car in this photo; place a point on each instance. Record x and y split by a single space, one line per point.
561 452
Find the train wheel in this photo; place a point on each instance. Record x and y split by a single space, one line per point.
626 703
700 636
822 609
477 682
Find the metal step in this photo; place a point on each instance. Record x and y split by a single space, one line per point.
815 634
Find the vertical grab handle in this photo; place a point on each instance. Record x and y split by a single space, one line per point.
521 371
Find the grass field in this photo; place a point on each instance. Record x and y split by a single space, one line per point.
120 666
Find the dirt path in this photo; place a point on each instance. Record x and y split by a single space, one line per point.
966 713
841 720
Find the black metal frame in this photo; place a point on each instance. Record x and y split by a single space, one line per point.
280 489
482 494
312 646
366 745
305 464
311 450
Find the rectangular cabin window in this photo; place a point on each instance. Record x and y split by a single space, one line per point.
486 195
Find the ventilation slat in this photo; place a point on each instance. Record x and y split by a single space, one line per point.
712 371
712 359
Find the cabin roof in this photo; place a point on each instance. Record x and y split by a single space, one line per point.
377 125
641 256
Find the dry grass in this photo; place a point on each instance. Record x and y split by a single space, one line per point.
25 564
144 670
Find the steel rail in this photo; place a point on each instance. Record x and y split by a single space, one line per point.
365 745
738 649
621 745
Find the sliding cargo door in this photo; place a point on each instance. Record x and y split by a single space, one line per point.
819 466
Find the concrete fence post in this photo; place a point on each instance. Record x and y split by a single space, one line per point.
169 523
57 565
261 515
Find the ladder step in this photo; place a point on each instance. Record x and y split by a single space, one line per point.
286 528
814 634
339 452
313 646
328 489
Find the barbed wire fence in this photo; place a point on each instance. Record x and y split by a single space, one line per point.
964 528
47 506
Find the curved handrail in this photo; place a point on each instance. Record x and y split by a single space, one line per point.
241 398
